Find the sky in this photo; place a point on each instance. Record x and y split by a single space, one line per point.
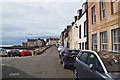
23 20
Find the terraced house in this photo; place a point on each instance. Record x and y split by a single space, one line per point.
52 41
83 28
104 25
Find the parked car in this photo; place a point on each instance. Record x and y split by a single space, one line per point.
68 57
3 52
26 53
59 48
61 51
13 53
97 65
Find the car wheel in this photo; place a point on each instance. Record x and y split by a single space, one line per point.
75 74
64 65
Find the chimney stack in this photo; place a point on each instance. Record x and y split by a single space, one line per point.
79 12
72 23
75 18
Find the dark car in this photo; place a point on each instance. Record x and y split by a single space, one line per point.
13 53
93 65
68 57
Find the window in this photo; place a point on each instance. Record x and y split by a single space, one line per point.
112 9
94 42
93 15
80 45
102 8
103 41
70 35
83 46
85 29
92 59
116 39
83 57
86 46
80 31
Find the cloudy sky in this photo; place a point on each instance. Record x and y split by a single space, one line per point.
22 20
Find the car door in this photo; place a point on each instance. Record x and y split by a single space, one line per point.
94 71
81 64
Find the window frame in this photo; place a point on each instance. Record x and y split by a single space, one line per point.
103 39
102 9
117 36
93 15
94 42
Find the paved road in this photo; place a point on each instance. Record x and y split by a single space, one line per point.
46 65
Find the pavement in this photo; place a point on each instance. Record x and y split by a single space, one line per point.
46 66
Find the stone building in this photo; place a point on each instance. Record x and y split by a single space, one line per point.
35 42
104 25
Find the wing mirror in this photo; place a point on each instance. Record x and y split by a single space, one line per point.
91 66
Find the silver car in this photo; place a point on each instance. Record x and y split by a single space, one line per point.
3 52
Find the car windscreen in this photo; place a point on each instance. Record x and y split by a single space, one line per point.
111 61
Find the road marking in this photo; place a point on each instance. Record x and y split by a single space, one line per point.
2 64
14 74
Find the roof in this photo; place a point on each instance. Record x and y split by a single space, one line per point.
53 39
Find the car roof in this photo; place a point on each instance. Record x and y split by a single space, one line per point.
111 60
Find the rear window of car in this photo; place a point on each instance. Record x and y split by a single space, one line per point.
73 51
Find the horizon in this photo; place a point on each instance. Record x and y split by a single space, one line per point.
35 20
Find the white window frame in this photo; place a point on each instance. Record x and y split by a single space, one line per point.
94 41
93 15
116 42
103 39
102 8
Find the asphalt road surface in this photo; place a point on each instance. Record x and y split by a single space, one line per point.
46 65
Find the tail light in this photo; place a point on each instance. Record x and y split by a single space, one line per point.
68 55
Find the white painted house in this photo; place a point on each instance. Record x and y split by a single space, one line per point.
82 29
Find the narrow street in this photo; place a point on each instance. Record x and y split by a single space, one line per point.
46 65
